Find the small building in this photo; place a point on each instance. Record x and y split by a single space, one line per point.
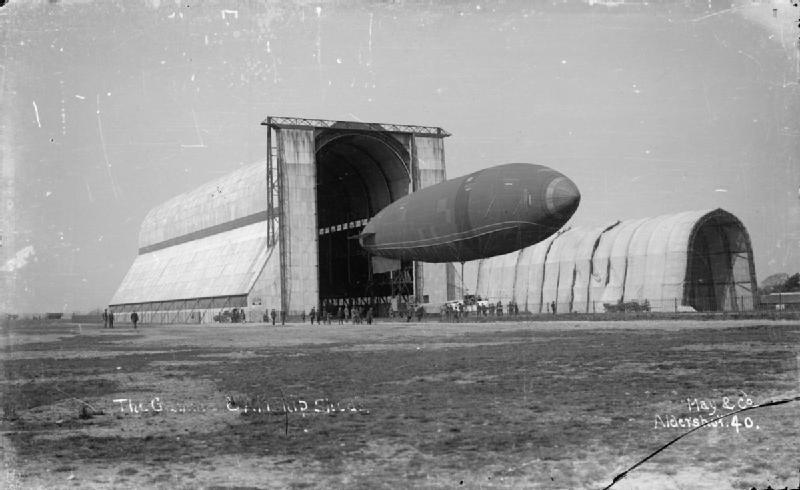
781 301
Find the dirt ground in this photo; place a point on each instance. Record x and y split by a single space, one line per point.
393 405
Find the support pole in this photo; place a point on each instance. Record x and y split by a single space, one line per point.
462 280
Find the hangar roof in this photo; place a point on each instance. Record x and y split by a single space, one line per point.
233 200
223 264
299 122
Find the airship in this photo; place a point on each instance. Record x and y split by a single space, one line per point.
486 213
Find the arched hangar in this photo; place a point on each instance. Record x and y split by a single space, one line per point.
280 234
695 260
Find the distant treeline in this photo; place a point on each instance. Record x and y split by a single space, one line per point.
781 283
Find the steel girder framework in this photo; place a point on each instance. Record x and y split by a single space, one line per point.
298 122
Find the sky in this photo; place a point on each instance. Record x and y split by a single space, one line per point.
109 108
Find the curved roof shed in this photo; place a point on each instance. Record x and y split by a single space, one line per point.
698 259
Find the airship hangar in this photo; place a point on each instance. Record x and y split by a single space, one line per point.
282 234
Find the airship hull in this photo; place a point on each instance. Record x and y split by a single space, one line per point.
490 212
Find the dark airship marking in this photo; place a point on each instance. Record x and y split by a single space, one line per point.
486 213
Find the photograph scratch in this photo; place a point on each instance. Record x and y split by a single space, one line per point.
36 113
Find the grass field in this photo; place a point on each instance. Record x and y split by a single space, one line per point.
432 405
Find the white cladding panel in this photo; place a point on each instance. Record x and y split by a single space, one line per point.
532 261
636 273
498 277
675 254
224 264
601 267
584 269
232 197
566 267
618 261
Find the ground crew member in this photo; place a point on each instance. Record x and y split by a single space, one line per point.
134 319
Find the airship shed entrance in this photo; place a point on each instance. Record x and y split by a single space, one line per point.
358 174
281 234
326 180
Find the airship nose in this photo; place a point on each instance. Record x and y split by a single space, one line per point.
562 197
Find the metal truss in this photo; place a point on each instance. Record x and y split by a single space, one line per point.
299 122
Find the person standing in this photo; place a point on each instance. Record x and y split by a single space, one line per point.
111 319
105 318
283 317
312 314
272 315
134 319
340 314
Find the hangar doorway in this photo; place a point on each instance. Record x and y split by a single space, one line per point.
325 180
358 174
720 273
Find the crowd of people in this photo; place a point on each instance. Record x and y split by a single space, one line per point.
456 311
343 314
108 319
356 314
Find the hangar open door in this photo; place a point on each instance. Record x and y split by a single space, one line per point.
326 179
358 174
720 274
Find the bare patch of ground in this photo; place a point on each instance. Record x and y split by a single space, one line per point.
509 405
